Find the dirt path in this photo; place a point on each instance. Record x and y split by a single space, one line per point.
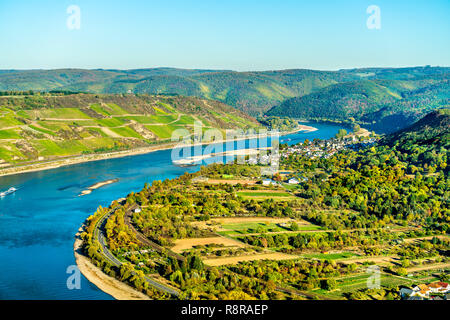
429 267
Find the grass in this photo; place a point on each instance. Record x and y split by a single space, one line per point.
8 152
166 106
352 283
42 130
263 194
251 227
330 256
112 122
140 119
97 143
9 121
53 126
59 148
164 119
9 134
59 113
108 110
163 132
126 132
184 119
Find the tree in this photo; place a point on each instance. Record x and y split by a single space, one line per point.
328 284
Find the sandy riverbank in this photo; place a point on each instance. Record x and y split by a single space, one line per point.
57 163
107 284
302 127
97 186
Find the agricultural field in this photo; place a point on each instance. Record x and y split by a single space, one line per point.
44 127
277 195
186 244
253 257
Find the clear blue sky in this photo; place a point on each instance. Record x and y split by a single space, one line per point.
231 34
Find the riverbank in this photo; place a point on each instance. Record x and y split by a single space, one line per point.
57 163
115 288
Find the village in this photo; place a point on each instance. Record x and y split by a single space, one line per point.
434 291
327 148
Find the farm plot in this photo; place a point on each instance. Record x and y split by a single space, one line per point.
262 256
277 195
186 244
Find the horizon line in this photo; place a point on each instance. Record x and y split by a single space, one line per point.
219 69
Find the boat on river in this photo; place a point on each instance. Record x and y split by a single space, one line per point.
9 191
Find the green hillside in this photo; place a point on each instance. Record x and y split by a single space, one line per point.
425 142
383 105
48 126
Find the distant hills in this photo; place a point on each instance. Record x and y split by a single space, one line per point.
384 105
385 98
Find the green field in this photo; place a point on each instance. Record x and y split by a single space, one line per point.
9 134
163 132
60 113
127 132
330 256
111 122
263 194
251 227
108 110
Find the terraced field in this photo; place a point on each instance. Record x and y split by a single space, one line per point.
45 127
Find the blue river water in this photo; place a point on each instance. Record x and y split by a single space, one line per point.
39 221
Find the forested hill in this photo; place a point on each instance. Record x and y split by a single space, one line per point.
251 92
423 147
43 127
431 132
384 105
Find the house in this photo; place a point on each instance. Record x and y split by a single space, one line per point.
137 210
293 181
439 287
267 182
422 290
405 293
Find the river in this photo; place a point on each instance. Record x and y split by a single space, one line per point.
39 221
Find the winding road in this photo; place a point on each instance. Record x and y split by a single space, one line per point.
99 234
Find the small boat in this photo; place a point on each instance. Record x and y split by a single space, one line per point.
5 193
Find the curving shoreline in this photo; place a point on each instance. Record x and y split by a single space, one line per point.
57 163
115 288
